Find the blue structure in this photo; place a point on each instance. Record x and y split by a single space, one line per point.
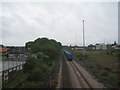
68 55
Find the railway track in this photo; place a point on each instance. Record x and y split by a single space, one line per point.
65 75
83 81
74 76
68 76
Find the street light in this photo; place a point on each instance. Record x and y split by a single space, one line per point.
83 38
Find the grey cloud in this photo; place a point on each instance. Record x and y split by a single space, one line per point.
61 21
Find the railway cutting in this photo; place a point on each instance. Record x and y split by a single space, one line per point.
71 75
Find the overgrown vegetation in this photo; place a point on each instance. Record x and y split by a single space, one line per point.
103 64
40 63
80 55
17 81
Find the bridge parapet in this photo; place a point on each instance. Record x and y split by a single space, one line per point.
9 73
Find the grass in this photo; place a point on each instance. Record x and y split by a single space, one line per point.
30 85
113 79
102 59
3 58
89 65
108 68
104 73
17 81
0 58
102 63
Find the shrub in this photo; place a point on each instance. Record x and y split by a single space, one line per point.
30 85
30 64
37 74
96 71
108 68
89 65
98 66
112 79
83 57
104 73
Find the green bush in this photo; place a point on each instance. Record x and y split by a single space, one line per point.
37 74
83 57
112 79
96 71
98 66
115 71
104 73
107 68
30 85
89 65
30 64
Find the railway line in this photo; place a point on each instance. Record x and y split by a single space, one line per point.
74 76
82 80
65 75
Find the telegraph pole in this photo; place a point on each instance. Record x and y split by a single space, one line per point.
83 39
76 39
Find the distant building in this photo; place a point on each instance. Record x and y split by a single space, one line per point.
97 47
3 51
101 46
17 53
91 47
109 47
116 47
76 48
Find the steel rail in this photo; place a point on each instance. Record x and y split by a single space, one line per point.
85 80
66 79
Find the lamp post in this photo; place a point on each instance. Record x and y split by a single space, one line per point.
83 39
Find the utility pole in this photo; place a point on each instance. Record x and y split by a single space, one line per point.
104 40
83 39
76 39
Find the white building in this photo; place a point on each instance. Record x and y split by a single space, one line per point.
101 46
77 48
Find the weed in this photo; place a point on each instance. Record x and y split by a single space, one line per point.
83 57
30 85
112 79
96 71
89 65
104 73
107 68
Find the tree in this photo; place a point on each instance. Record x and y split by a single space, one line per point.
45 51
30 64
1 46
91 45
29 44
115 43
50 47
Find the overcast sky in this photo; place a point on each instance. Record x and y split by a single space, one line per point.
23 22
